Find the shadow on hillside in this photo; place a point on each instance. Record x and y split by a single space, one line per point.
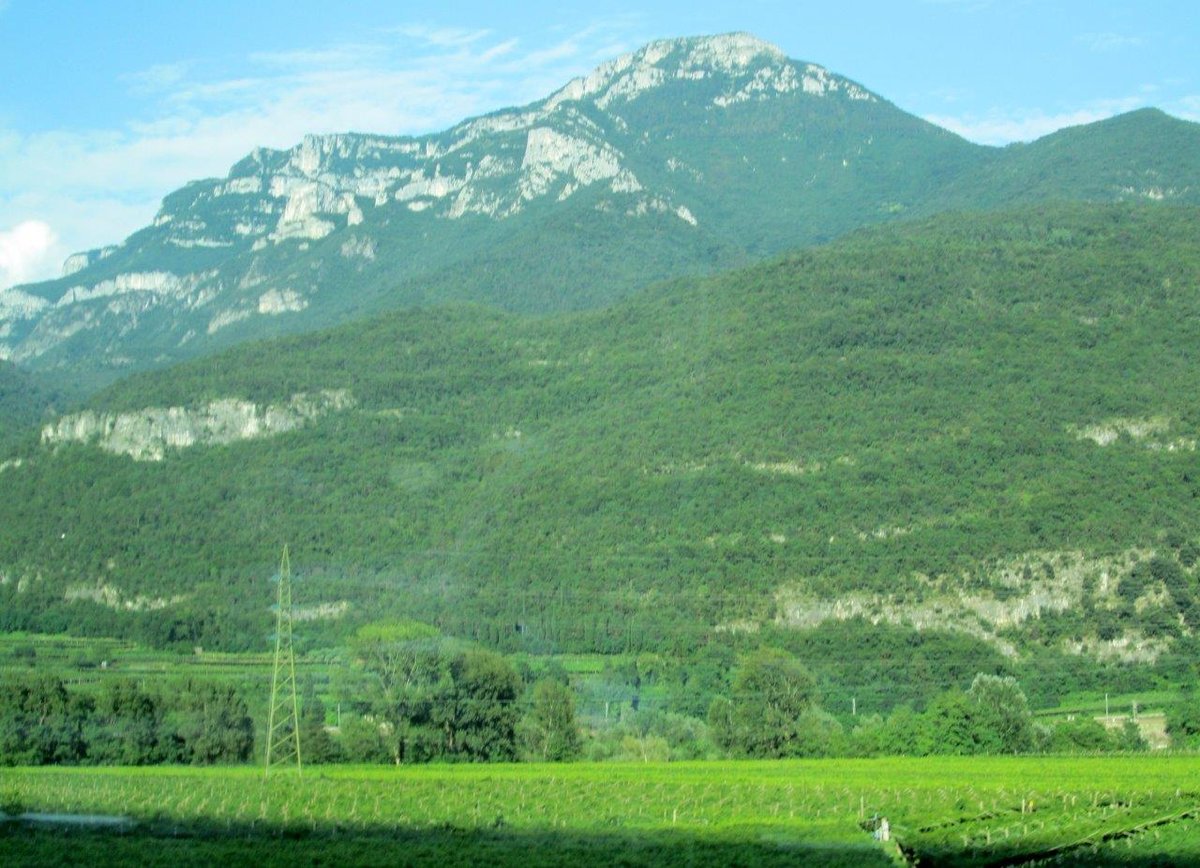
181 845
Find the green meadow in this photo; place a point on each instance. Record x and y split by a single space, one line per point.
960 811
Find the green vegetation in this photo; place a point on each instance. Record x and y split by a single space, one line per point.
1109 811
42 722
903 416
410 696
24 402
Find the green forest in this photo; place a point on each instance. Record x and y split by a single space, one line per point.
937 422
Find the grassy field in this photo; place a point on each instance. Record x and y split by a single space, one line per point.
83 660
1131 810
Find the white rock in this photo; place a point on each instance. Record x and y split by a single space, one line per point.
16 304
157 282
147 435
226 318
551 155
276 301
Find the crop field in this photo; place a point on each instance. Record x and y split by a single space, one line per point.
971 811
94 660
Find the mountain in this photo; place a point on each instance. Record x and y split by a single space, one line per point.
1143 155
682 158
23 403
983 425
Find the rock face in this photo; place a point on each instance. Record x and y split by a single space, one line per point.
79 261
147 435
293 239
684 156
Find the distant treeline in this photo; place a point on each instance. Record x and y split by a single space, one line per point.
43 721
413 696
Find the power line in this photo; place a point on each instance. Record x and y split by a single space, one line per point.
283 716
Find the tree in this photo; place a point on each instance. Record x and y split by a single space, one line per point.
1129 737
549 730
476 709
1082 735
395 652
125 728
960 725
361 740
906 733
1183 722
770 692
818 734
212 725
316 745
1005 712
41 722
408 667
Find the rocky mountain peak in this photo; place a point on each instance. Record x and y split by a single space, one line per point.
753 67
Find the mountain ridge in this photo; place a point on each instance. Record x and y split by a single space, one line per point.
680 158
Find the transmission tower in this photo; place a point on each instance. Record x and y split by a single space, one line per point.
283 720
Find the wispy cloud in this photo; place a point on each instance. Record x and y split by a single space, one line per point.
441 37
405 80
967 5
1105 42
156 79
1002 128
950 94
1189 108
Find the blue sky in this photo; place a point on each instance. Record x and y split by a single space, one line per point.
105 107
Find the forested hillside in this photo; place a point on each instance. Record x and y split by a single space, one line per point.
23 401
984 424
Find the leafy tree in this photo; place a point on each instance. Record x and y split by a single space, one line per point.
361 740
818 734
395 652
476 709
211 724
316 744
868 736
1005 711
959 725
1081 735
408 666
1183 722
126 726
1129 737
906 733
41 722
549 730
770 693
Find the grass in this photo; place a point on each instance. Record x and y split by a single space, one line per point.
977 811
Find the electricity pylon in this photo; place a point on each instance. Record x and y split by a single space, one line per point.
283 720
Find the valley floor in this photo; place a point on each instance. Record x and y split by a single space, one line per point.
1138 810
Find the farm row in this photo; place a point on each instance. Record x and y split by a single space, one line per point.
972 811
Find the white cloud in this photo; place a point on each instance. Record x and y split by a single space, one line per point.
1000 128
156 79
1189 108
408 80
1103 42
24 250
441 37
